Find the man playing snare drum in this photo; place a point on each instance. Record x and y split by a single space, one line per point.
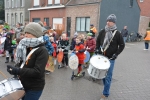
109 43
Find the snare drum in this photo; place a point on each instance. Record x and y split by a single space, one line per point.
99 66
11 89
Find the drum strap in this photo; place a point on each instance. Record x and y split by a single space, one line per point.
103 50
29 55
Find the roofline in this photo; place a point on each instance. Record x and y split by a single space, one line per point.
49 7
84 4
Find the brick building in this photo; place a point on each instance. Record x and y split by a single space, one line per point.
80 14
50 11
145 15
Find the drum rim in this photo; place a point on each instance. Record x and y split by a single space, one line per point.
12 92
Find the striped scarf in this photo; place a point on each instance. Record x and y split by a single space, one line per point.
108 35
21 50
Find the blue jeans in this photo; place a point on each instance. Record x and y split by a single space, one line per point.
125 39
146 45
32 95
108 78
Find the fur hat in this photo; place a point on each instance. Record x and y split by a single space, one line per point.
112 18
34 29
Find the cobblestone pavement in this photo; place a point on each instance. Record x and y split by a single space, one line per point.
130 79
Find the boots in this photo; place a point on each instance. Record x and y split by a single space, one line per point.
12 58
7 60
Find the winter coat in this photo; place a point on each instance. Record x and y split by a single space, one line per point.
147 37
124 32
32 75
8 42
63 44
55 49
73 43
81 49
116 46
48 45
91 43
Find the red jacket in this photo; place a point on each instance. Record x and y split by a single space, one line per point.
81 49
91 43
55 48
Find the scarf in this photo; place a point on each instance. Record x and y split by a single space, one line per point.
21 50
108 35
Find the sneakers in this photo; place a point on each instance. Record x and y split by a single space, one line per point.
145 49
103 97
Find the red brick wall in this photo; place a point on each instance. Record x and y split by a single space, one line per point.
91 11
145 7
49 13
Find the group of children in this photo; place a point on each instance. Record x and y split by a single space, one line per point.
78 46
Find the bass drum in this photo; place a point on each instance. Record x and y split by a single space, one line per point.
98 67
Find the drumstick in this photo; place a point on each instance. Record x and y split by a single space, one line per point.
3 74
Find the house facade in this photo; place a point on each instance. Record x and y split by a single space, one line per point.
145 15
126 11
17 11
80 14
52 12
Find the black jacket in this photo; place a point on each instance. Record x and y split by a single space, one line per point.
32 75
116 46
64 44
8 42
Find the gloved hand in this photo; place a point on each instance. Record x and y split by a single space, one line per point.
114 57
96 52
13 70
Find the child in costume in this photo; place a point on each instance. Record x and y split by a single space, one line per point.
79 50
63 45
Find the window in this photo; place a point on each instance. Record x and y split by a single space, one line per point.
12 3
82 24
7 18
50 2
16 18
36 3
57 1
57 22
21 3
36 20
141 0
21 18
47 21
131 3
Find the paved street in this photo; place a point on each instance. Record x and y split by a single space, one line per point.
130 79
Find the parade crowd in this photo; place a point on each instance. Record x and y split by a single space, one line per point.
45 43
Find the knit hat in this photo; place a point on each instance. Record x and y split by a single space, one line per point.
89 34
112 18
34 29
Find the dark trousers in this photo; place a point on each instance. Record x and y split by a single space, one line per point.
146 45
32 95
65 59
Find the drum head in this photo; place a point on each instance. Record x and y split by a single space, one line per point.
73 62
100 62
87 56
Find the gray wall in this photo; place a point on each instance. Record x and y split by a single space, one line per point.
126 15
